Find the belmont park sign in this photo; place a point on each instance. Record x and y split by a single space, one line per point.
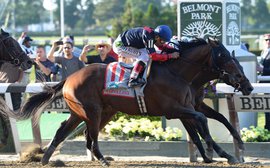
210 19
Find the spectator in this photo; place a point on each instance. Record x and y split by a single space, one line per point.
76 51
10 73
264 68
111 52
68 62
25 42
44 68
103 48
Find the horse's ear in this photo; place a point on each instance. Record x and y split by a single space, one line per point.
3 32
233 53
210 40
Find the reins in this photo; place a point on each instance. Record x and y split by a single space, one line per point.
212 68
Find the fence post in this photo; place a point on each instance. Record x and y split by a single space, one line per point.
235 123
13 125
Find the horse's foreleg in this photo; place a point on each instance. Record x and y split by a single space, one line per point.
217 148
66 127
211 113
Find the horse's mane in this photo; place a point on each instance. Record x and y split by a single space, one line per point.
184 45
193 43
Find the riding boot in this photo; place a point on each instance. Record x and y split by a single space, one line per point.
134 76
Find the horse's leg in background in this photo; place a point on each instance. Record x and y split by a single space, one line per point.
195 138
63 131
5 131
211 113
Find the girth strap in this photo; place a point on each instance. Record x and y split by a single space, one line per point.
141 102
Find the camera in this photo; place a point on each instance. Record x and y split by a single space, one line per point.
59 43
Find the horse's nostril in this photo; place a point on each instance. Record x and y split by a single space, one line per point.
250 89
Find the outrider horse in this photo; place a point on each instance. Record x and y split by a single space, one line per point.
167 94
11 52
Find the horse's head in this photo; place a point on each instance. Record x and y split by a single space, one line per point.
244 85
11 51
230 68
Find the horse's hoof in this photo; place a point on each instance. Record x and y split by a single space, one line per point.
233 160
104 162
44 161
109 158
207 160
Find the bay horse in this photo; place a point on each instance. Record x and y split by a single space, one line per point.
11 52
204 76
167 94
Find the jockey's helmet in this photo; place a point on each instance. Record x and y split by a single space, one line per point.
164 32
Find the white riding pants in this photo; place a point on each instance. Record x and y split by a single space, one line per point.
130 52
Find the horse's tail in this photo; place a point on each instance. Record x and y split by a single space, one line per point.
35 105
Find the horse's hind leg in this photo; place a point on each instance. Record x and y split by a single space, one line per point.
106 116
93 130
65 129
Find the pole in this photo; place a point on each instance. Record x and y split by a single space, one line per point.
62 18
13 22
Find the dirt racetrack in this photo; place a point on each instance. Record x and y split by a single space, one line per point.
128 164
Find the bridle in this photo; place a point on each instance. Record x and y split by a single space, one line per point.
214 68
15 60
212 62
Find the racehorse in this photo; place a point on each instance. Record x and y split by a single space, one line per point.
166 94
11 52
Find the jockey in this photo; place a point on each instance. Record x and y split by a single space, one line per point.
138 43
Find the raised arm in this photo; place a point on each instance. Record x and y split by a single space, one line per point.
50 55
84 52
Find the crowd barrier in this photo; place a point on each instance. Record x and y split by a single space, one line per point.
256 102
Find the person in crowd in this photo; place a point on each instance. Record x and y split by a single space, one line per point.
76 51
139 43
103 49
68 62
44 68
263 67
111 52
25 42
10 73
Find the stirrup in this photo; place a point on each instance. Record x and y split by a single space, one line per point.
136 82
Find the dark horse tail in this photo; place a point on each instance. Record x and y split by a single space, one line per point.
35 105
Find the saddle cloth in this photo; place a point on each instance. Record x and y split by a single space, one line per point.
116 80
116 84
